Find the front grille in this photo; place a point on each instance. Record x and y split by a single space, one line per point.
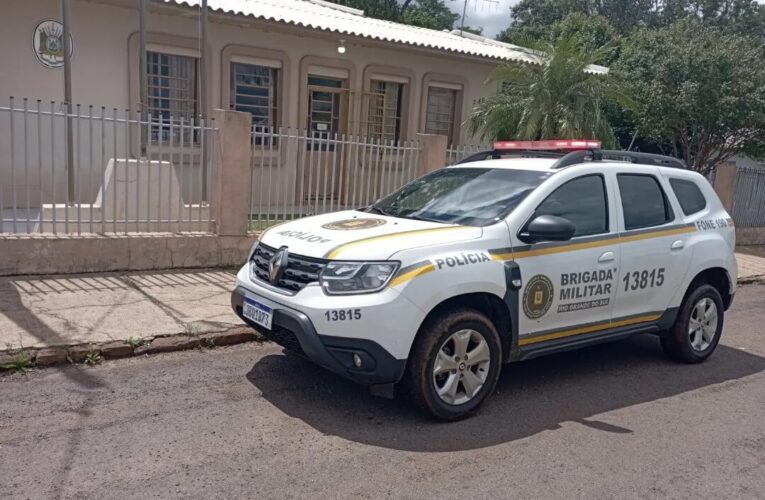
300 270
284 338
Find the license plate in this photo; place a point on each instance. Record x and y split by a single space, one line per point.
257 312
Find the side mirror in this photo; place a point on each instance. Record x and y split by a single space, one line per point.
548 228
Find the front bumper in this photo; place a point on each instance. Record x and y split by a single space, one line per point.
293 330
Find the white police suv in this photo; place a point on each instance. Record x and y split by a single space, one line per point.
511 254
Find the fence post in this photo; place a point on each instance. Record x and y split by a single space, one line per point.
725 183
231 172
433 153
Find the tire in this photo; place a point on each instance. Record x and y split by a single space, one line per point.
461 392
680 342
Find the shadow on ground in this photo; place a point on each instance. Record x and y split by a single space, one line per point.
531 396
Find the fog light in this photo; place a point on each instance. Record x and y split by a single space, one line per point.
356 360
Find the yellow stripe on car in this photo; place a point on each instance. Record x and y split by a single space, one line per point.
624 238
657 234
345 246
589 329
410 275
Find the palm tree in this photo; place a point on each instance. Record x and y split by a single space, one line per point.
558 98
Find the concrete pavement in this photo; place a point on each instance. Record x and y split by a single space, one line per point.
611 421
65 310
751 263
45 311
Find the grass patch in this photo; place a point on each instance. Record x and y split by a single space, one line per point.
21 362
192 329
93 358
135 342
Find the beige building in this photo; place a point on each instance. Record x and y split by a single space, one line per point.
308 65
292 63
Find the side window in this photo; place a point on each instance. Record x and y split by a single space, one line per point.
643 201
689 195
582 201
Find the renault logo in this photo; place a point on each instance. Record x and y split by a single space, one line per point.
277 265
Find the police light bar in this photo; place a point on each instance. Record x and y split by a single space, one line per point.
554 144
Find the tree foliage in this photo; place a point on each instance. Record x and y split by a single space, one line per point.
433 14
535 17
556 99
700 91
694 66
590 33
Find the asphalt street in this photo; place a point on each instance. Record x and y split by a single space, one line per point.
614 420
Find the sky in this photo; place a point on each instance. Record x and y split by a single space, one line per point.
493 15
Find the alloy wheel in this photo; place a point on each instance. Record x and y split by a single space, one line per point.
703 324
461 367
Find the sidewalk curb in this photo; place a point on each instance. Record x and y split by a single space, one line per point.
752 280
114 349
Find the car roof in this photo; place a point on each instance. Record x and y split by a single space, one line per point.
543 164
546 165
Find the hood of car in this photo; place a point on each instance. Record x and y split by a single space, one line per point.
354 235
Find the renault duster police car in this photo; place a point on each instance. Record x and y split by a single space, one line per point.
511 254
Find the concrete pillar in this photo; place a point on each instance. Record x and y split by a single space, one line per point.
725 183
231 172
433 153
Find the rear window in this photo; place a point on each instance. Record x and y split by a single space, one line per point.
689 195
643 201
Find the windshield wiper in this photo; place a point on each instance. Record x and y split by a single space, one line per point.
379 210
420 217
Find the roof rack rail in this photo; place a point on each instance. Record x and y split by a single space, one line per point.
577 157
496 154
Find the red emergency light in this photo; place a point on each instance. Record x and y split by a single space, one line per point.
553 144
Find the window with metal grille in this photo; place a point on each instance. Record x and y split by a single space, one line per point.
439 118
253 90
384 113
172 95
324 111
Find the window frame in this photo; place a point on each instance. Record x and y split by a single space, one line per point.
444 80
272 88
604 183
398 116
454 93
259 56
339 91
193 138
669 212
677 197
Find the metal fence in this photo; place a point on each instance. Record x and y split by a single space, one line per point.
101 170
749 199
296 173
457 153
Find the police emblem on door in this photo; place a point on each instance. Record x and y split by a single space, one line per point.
538 296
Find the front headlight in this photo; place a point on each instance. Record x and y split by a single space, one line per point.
340 278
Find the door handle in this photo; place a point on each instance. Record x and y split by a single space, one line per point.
678 245
606 257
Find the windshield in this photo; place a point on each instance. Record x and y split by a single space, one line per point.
466 196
